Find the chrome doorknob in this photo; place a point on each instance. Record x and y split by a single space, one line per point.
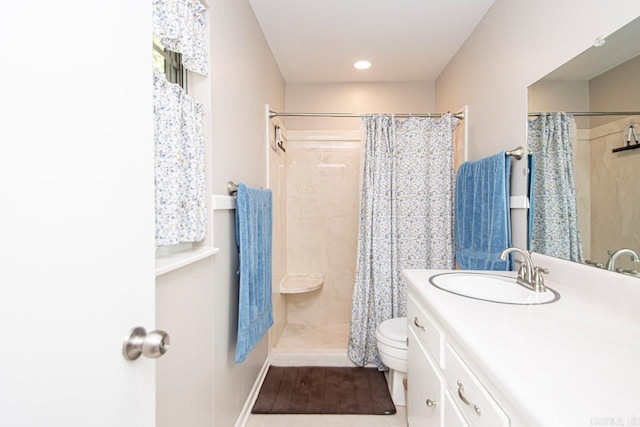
153 344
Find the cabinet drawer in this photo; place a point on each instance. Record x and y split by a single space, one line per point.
473 399
426 330
452 415
425 386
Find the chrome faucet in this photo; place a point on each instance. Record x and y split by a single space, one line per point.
529 276
611 264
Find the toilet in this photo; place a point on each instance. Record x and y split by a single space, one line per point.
391 338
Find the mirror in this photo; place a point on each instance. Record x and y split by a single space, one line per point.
602 79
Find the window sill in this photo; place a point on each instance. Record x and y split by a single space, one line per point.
171 262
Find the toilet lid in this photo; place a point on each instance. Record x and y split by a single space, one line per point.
394 329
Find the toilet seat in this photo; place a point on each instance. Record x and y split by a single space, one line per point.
393 333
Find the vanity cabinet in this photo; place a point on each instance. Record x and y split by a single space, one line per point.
443 391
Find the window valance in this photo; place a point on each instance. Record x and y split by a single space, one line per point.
180 25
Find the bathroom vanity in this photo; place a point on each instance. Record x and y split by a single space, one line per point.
571 362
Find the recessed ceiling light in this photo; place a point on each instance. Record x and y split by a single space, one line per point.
362 65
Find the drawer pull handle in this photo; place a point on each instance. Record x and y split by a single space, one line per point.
417 323
431 403
465 400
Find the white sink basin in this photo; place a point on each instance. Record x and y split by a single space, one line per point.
491 287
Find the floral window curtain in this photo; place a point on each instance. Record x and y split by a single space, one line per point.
406 219
181 208
180 25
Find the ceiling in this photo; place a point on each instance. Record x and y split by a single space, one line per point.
406 40
619 47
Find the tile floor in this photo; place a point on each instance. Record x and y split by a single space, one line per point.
319 345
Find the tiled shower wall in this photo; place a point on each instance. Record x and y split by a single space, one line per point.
322 203
615 199
277 182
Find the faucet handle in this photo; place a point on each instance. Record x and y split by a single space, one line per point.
541 270
538 279
522 268
594 263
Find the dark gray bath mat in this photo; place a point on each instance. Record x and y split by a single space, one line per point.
324 390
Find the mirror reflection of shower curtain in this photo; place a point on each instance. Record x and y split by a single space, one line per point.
406 219
555 218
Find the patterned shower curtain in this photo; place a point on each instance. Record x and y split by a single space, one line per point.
555 217
406 219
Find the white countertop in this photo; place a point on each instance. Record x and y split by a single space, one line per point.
574 362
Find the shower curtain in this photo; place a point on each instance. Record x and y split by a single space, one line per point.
555 217
406 219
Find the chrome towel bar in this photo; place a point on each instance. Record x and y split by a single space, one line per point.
516 153
232 188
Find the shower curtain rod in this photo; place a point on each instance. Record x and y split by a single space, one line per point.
598 113
273 114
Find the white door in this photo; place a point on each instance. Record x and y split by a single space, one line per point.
76 212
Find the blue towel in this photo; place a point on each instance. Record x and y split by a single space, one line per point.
482 217
531 160
253 235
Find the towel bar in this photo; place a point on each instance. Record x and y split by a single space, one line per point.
232 188
516 153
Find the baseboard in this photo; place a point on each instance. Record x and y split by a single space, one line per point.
243 418
292 358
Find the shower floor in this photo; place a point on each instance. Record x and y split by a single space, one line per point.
312 345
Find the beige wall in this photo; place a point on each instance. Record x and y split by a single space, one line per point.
560 95
516 44
616 90
387 97
245 77
200 385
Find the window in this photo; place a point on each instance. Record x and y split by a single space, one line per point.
170 63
